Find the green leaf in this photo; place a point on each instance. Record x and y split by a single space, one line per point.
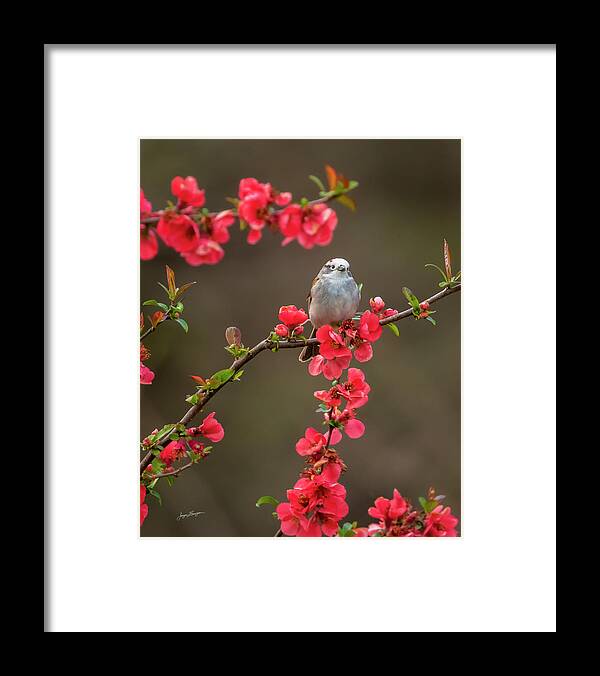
431 319
411 298
220 377
162 306
164 287
317 181
347 530
267 500
347 202
155 494
182 323
360 286
394 329
193 399
428 505
352 185
238 374
163 431
182 289
433 265
170 480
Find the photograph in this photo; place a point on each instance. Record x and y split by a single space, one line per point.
300 337
310 366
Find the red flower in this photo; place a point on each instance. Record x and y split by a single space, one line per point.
145 206
253 210
254 236
218 225
348 421
196 446
255 197
388 511
317 227
330 397
291 316
207 252
290 222
146 375
281 198
333 349
312 442
370 329
148 243
143 507
282 330
250 186
290 521
211 428
364 351
440 523
171 452
178 231
377 304
186 189
355 389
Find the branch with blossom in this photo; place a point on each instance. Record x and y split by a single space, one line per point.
198 234
316 504
312 507
171 311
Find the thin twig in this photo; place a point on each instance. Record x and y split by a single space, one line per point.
153 220
152 329
267 344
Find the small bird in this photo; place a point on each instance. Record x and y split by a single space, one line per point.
334 297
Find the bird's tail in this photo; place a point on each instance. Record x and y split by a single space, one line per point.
309 351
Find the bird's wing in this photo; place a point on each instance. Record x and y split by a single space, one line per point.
309 297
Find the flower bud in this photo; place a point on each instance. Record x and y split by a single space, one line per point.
233 336
377 304
281 330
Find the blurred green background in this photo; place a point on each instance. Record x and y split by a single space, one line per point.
408 201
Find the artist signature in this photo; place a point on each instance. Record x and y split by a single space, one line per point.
190 513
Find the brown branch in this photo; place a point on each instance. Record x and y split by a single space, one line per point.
175 472
152 329
267 344
153 220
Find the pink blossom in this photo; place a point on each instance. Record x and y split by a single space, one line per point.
186 189
145 206
388 511
440 522
178 231
377 304
370 329
207 252
172 452
148 243
143 506
291 316
211 428
218 225
364 351
146 375
355 389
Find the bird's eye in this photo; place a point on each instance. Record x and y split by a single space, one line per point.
341 268
331 267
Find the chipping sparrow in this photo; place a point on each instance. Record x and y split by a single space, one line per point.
334 297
